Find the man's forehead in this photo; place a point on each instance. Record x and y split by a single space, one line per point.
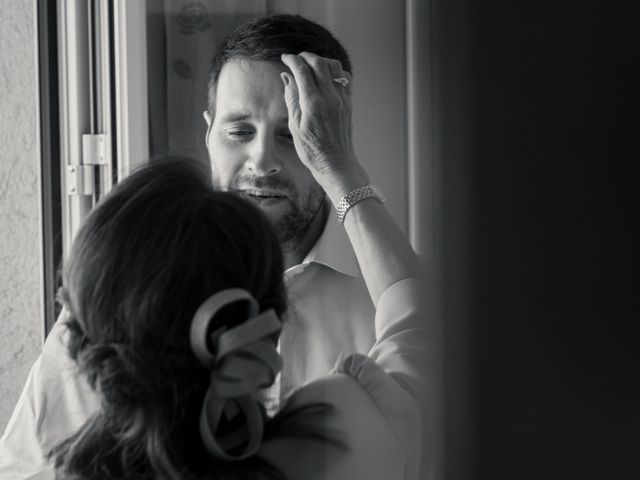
248 65
246 85
250 76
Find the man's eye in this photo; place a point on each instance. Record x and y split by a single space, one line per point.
239 133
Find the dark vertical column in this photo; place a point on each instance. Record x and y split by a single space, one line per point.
50 165
539 244
452 147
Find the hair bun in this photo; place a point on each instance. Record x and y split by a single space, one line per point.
122 374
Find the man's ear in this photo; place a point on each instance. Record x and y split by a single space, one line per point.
209 120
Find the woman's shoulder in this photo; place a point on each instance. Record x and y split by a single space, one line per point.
364 404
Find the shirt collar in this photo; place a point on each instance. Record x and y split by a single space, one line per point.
333 249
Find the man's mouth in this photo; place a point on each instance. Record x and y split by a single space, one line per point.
263 194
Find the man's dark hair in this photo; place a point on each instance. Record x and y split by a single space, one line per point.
268 37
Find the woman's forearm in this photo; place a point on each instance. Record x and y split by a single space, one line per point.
382 249
320 123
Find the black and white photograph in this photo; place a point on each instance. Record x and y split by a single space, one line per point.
318 239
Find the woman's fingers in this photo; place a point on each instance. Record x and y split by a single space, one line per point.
319 110
292 100
325 70
304 79
320 66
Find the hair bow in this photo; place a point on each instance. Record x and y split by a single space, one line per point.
241 359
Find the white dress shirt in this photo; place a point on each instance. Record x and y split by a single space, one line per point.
330 313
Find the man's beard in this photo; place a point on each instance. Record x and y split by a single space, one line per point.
292 227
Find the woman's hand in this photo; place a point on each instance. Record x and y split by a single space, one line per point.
320 121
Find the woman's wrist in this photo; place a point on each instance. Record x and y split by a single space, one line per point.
338 183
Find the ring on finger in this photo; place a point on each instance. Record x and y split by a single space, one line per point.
342 81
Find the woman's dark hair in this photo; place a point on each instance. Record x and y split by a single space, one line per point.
147 256
269 37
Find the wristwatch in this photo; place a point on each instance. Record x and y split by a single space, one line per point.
355 196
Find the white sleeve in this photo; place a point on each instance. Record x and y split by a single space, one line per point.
54 403
403 331
400 409
408 348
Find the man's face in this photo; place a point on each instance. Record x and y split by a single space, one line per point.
251 149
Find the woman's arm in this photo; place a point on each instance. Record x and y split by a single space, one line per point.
320 122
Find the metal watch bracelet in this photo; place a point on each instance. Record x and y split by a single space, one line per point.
355 196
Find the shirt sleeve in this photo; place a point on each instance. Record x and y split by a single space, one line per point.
407 348
392 373
55 401
394 403
405 334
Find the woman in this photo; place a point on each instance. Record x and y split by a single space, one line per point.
175 293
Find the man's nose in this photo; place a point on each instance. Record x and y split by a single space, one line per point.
263 157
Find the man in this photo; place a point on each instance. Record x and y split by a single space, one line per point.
252 153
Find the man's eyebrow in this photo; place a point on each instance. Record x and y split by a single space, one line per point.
235 117
242 116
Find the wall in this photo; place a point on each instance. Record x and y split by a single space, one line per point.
20 327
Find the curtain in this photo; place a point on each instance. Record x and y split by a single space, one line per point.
182 37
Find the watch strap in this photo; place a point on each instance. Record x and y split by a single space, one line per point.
355 196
